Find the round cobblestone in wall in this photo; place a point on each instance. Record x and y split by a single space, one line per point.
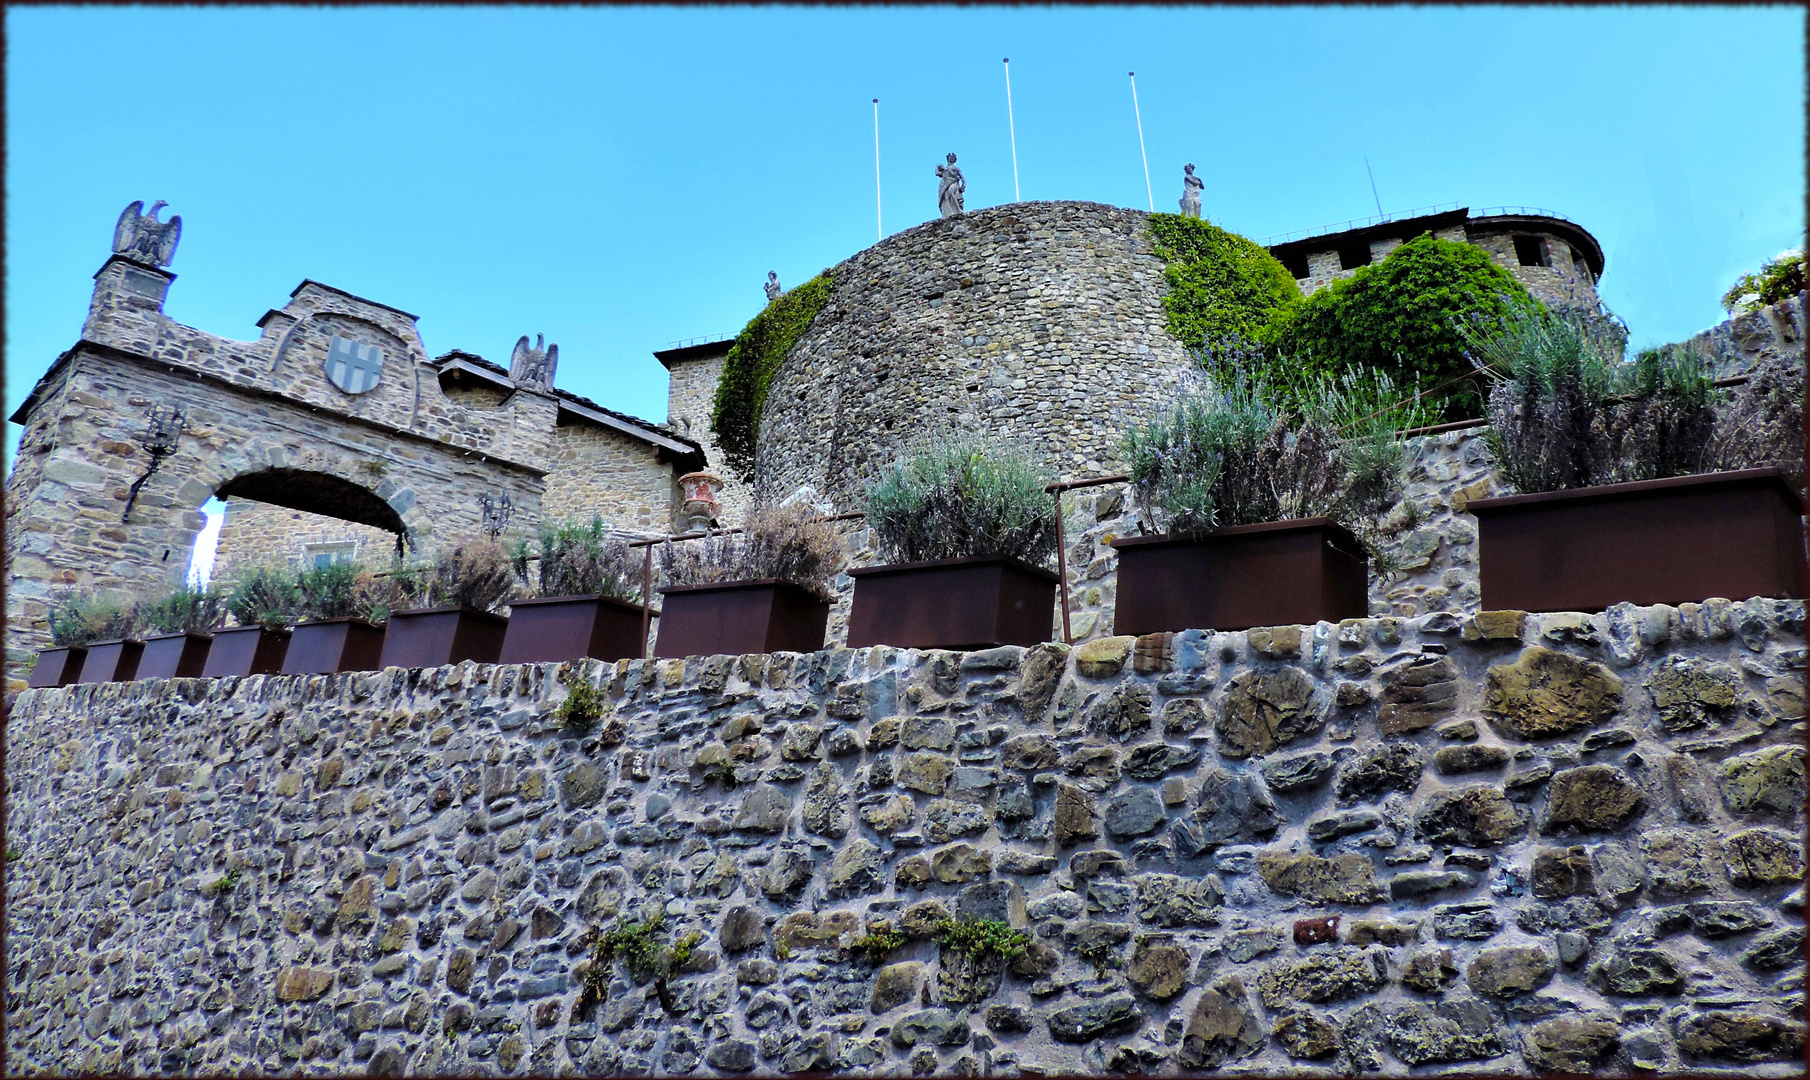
1034 321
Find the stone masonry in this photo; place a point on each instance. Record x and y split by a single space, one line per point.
1040 322
258 533
1509 844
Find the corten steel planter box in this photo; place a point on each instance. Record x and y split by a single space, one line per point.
325 646
435 637
972 603
556 628
111 661
60 666
1278 573
246 650
174 656
736 617
1689 538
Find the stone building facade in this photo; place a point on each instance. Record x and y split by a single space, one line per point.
1556 259
256 533
335 410
1040 322
1506 845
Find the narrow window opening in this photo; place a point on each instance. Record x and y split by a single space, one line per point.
1296 263
1352 256
1530 250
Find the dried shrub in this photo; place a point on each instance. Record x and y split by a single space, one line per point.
792 543
580 560
959 496
266 596
475 573
184 610
1232 455
81 616
1762 423
1565 411
377 593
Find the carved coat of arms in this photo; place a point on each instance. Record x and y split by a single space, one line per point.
353 367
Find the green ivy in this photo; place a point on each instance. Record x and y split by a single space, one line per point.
1776 281
1405 316
880 942
583 704
1221 285
753 360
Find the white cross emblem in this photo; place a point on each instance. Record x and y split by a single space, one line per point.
352 367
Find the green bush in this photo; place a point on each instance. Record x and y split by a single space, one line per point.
1566 411
1402 316
1221 285
1233 455
580 560
754 358
184 610
266 596
328 591
81 616
961 496
1782 276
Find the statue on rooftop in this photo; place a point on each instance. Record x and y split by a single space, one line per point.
950 187
772 286
534 365
1191 188
143 238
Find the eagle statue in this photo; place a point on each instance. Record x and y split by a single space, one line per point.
143 238
534 365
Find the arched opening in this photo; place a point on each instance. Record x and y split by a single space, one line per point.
296 517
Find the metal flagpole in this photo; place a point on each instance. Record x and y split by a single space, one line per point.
1134 111
1013 128
1373 194
879 227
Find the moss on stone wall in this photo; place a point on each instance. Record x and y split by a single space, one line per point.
1221 285
754 358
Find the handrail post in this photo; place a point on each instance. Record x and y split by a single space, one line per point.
647 589
1068 637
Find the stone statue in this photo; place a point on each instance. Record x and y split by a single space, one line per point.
534 365
1191 186
772 286
143 237
949 188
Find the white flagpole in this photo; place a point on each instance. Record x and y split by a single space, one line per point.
879 228
1012 127
1140 116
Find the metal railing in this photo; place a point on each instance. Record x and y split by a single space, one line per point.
1356 223
701 340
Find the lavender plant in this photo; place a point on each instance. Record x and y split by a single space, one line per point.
792 543
475 573
958 496
184 610
580 560
82 616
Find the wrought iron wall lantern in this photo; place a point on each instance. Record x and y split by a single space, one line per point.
164 425
495 512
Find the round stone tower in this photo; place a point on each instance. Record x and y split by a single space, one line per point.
1037 322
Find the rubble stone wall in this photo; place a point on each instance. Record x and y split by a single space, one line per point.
257 533
1508 843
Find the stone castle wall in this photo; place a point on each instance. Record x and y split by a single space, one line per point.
1508 844
690 402
1040 322
596 472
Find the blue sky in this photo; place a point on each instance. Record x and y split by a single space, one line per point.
618 178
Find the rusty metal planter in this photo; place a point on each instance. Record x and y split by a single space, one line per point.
557 628
174 656
976 602
1731 535
325 646
111 661
246 650
434 637
1278 573
735 617
60 666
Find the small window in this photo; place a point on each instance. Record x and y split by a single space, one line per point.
1530 250
1296 263
316 556
1352 256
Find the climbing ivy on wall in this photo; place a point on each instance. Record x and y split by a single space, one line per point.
1221 285
753 359
1404 316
